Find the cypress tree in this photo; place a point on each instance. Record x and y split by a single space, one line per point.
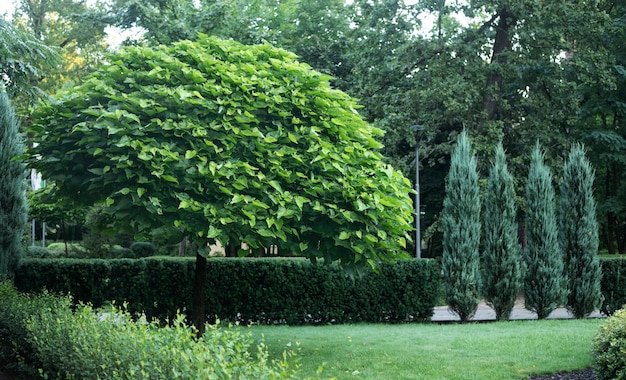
12 186
545 286
578 234
502 273
461 232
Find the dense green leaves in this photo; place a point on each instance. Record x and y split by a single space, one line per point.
23 60
222 140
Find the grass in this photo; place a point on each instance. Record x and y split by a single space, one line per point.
502 350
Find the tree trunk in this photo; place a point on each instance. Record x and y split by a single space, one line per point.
199 289
610 233
182 247
501 44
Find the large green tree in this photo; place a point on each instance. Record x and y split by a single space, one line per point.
502 260
461 232
545 284
13 209
230 142
578 234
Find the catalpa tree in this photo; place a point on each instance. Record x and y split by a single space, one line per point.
228 142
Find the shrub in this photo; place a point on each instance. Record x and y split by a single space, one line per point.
16 345
609 348
613 284
36 252
143 249
111 345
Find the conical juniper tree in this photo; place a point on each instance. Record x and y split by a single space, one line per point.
578 234
502 273
461 232
545 284
12 182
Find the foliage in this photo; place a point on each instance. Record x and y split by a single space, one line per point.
578 234
545 284
13 208
66 218
461 232
282 158
609 346
268 291
74 29
110 344
143 248
36 252
23 60
613 284
502 261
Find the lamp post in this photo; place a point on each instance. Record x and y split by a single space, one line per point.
418 237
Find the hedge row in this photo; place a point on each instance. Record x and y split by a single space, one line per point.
291 291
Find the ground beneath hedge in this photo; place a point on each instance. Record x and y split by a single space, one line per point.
587 374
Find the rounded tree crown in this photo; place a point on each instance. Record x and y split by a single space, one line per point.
226 141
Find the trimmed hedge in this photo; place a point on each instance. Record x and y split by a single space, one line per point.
613 284
291 291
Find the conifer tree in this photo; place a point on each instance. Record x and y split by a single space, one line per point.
545 285
578 234
461 232
502 273
12 185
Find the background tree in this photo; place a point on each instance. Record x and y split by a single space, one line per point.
461 232
502 266
230 142
13 209
23 61
75 29
545 284
578 234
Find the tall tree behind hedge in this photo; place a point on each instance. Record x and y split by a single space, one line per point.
545 283
12 198
502 273
461 232
578 234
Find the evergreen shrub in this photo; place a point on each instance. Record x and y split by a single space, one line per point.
64 341
143 248
263 290
609 348
613 284
37 252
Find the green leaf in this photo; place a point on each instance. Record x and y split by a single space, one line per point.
344 235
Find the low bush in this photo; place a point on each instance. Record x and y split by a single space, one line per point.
143 249
85 344
36 252
292 291
609 348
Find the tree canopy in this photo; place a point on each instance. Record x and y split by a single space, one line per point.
230 142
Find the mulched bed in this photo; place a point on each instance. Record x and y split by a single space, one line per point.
586 374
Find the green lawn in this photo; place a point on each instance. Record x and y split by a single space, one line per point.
503 350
